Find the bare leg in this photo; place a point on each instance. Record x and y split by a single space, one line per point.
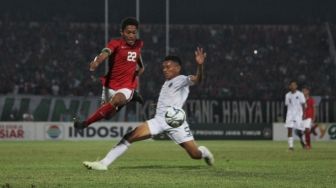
289 132
140 133
290 138
313 129
192 149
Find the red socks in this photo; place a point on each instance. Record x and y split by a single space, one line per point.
307 136
103 111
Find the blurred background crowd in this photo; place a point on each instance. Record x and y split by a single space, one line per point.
244 61
254 47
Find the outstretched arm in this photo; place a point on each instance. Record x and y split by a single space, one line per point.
99 59
200 56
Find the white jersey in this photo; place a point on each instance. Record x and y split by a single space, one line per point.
174 93
294 102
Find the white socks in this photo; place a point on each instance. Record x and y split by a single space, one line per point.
291 142
203 151
115 152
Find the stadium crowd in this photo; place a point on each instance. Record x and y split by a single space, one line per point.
244 61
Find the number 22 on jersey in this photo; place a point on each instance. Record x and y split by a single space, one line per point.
131 56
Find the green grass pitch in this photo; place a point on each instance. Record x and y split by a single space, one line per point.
164 164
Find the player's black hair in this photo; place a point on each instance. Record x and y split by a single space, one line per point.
293 81
129 21
173 58
306 87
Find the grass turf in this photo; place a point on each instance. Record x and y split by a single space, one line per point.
164 164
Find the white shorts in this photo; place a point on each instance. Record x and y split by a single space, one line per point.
179 135
108 93
307 123
294 123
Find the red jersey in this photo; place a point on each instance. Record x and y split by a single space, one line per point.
122 64
309 110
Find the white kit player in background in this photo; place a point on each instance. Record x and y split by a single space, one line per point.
295 102
174 92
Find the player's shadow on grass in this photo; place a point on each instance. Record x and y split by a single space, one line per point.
185 167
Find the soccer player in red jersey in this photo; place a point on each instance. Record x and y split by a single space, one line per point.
309 115
125 64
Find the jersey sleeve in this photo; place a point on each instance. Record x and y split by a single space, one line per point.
286 100
113 45
302 99
183 81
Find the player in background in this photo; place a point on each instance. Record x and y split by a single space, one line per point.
309 115
174 92
295 103
125 64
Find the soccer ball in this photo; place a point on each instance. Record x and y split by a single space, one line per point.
175 117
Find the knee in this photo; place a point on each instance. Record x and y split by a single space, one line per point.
128 137
118 100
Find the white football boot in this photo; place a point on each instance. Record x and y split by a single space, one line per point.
208 158
95 165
